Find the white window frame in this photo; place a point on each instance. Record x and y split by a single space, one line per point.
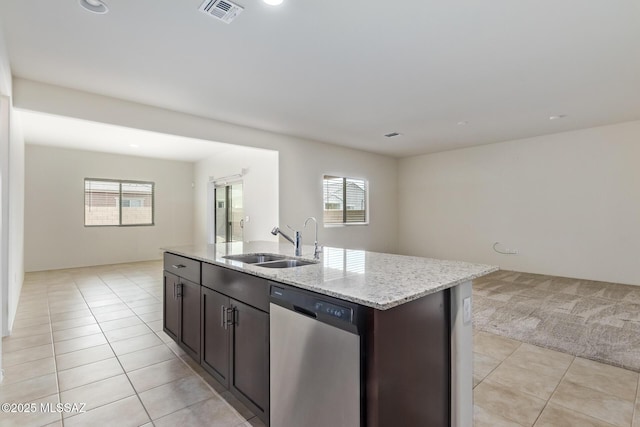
367 211
119 202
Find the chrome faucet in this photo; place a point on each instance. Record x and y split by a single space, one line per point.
297 243
316 248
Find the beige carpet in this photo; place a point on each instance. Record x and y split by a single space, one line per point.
595 320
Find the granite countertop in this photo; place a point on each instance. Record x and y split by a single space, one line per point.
372 279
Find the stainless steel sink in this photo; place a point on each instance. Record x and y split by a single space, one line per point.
255 258
286 263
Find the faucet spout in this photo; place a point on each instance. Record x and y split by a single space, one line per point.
297 243
277 231
317 248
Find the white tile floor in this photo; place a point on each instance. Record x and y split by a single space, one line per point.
94 336
518 384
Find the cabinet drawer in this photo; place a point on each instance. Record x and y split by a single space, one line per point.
244 287
181 266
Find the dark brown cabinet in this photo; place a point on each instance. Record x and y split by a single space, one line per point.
234 344
250 355
171 314
235 335
189 337
220 317
181 309
215 335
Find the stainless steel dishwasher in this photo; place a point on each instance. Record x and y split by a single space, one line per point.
315 360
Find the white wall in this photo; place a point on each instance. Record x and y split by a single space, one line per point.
12 199
568 202
55 236
6 90
5 68
302 167
15 273
259 187
302 162
4 216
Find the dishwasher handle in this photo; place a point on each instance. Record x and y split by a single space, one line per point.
304 311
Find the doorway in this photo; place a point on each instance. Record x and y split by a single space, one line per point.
229 213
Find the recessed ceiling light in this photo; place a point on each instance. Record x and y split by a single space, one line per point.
462 123
558 117
94 6
393 134
273 2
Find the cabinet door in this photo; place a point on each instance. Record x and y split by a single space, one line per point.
171 306
250 358
215 336
190 318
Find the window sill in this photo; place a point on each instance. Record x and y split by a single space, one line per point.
345 224
119 226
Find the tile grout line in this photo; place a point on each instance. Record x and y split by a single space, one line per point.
497 366
556 387
46 295
55 362
53 343
554 391
207 385
163 343
109 343
592 389
501 362
524 392
177 356
63 419
111 347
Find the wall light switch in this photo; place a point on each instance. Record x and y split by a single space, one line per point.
466 310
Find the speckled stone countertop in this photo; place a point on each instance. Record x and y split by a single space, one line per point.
372 279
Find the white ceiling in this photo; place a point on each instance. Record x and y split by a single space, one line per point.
51 130
347 72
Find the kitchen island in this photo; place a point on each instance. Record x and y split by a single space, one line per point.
413 319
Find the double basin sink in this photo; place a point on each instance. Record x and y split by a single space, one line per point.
269 260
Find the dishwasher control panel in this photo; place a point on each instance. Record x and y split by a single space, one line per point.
342 313
320 307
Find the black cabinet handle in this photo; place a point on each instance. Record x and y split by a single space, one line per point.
225 316
223 323
234 316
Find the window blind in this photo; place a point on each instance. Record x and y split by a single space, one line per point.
345 200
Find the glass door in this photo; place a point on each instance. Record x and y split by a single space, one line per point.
236 213
229 220
221 214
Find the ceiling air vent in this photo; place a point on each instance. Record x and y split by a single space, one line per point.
223 10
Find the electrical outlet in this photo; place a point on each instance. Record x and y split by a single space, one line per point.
466 310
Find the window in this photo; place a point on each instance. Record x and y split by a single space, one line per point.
119 203
345 200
